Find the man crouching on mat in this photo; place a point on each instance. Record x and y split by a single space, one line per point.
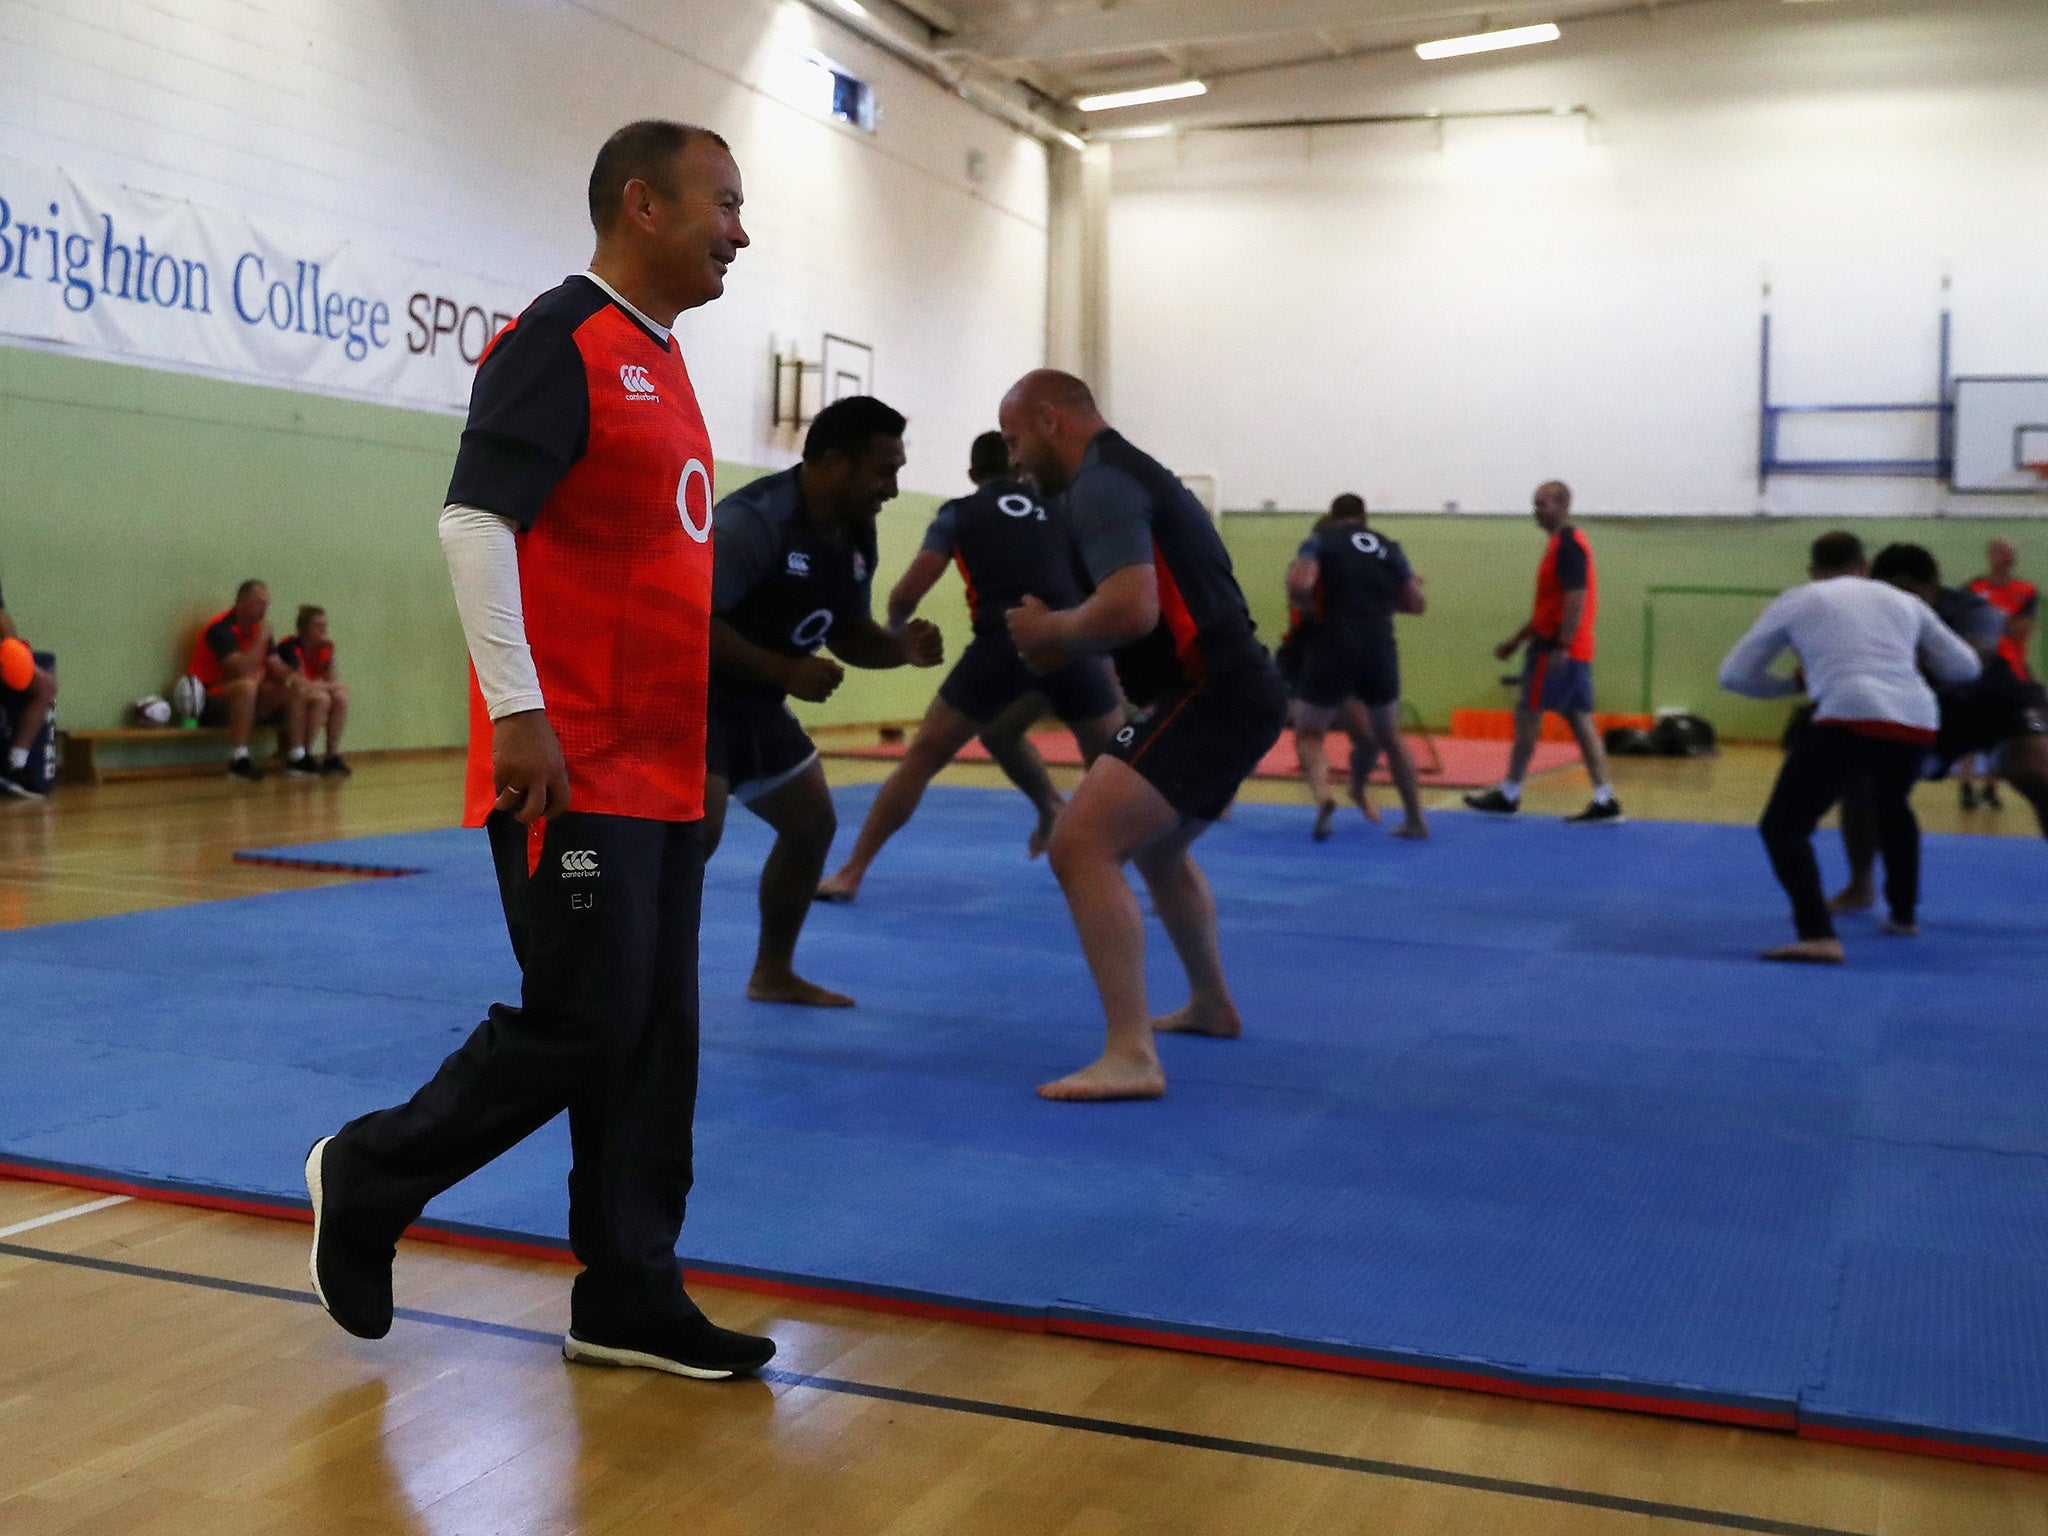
793 568
1008 544
1861 645
2000 715
1167 607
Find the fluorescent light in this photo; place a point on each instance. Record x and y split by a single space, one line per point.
851 7
1146 97
1486 42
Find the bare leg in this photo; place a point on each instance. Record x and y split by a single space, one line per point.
1859 844
1008 741
1181 897
1528 726
1113 815
42 695
239 694
2023 763
1365 756
1591 748
1311 724
801 814
1386 725
317 705
337 718
944 732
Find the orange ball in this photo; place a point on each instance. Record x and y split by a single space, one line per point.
17 665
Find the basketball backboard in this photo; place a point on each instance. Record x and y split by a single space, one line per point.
2001 428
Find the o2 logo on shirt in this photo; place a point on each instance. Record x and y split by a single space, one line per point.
1366 543
638 385
814 628
1010 504
1127 735
699 530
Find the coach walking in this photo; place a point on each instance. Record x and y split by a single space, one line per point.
578 531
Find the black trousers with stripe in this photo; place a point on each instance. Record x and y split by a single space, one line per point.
1822 762
606 930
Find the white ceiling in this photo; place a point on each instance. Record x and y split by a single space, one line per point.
1071 48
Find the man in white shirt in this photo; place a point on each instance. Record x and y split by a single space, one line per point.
1861 647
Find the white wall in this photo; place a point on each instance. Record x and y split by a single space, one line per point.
461 132
1431 315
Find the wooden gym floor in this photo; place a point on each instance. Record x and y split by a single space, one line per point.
164 1369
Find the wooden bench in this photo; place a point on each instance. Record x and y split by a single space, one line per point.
78 752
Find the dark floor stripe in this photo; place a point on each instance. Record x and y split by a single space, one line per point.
1543 1492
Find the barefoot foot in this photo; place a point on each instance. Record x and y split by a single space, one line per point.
1807 952
1108 1079
1364 803
1852 898
1041 838
1326 813
1898 929
839 888
1416 830
1217 1023
792 988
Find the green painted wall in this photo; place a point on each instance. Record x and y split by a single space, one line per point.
1479 573
132 501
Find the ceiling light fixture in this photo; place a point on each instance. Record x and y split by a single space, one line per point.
1486 42
851 7
1144 98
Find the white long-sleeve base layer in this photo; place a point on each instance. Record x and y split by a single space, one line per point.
1862 645
483 562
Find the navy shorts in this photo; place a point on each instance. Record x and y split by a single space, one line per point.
1554 681
1335 670
1196 745
756 747
989 677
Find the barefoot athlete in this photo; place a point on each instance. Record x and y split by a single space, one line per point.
577 534
1290 656
1357 581
1167 607
1009 545
1861 645
795 569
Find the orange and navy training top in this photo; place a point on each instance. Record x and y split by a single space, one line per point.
1129 509
312 662
1009 545
2015 599
1567 566
221 638
584 432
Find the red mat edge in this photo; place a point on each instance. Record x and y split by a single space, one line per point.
1266 1354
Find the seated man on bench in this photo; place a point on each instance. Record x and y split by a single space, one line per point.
246 685
29 711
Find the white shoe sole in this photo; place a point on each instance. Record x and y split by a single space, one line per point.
581 1353
313 1189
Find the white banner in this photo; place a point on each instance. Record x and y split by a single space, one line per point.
129 274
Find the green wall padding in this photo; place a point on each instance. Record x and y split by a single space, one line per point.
1479 574
132 501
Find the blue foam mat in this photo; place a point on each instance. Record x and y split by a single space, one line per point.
1516 1103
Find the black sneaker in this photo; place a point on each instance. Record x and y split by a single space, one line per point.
335 767
1600 813
684 1342
1492 802
1968 797
351 1275
12 783
245 768
302 767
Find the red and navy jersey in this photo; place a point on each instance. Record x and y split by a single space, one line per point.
1009 545
312 662
784 581
221 638
584 432
1129 509
1360 576
1567 566
2015 599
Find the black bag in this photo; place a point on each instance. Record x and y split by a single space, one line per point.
1682 736
1629 741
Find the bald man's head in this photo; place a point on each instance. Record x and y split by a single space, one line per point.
1552 504
1048 419
2001 555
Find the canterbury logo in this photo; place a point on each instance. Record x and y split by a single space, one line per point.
579 861
634 377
